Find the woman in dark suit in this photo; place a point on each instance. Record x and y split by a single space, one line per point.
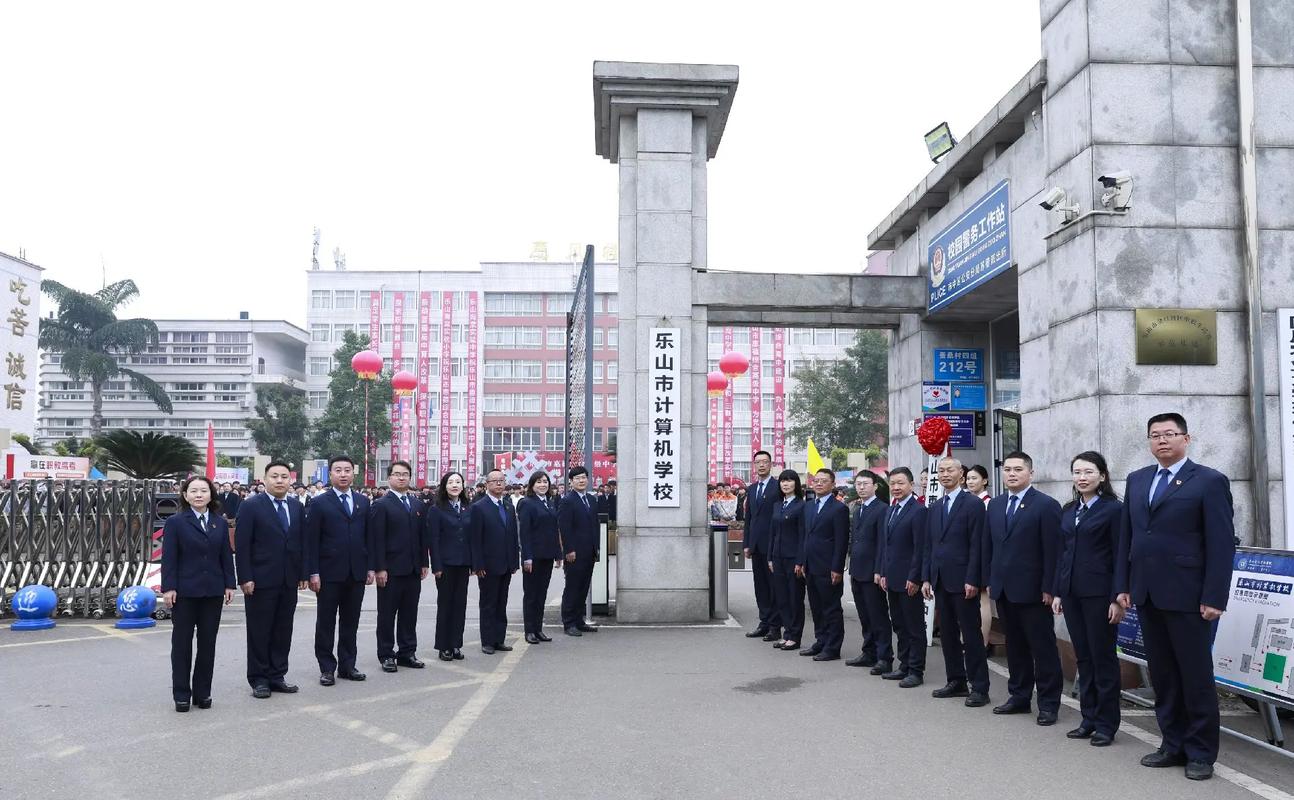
1083 592
541 545
788 586
197 574
451 563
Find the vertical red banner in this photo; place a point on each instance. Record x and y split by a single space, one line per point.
374 344
397 355
779 396
473 324
714 433
446 373
756 398
726 471
421 446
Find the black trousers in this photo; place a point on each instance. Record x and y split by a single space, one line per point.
534 592
765 594
874 618
1031 654
824 594
1093 637
338 600
451 607
202 613
908 616
494 607
789 590
960 637
270 610
1179 658
579 577
397 616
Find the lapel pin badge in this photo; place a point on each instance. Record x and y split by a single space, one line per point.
1179 483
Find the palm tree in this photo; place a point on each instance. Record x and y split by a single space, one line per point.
148 455
92 340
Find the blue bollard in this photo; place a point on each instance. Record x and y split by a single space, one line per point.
135 606
34 606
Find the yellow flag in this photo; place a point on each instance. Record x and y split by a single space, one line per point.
815 460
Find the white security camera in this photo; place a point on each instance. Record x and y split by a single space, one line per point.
1057 200
1054 198
1118 190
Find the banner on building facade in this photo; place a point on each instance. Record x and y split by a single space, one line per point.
779 397
397 356
713 435
517 466
374 344
756 396
422 442
725 472
664 484
473 359
446 373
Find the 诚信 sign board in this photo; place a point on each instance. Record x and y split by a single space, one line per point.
958 364
972 250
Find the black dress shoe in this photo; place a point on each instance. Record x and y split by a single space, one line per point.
503 648
458 654
881 668
951 689
353 675
532 639
327 679
976 700
1199 770
894 675
445 655
811 651
1046 718
543 637
412 662
182 705
788 645
1081 732
587 628
1011 707
758 633
487 649
824 656
388 665
571 630
911 681
773 635
1160 759
1102 739
204 704
861 661
260 692
284 687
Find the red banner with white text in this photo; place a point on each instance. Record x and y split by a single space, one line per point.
779 397
421 451
446 371
726 472
397 354
473 325
756 398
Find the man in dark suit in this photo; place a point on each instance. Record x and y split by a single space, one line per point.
822 563
229 502
757 538
270 563
865 530
953 564
577 521
1176 553
397 556
899 562
336 530
1022 546
496 554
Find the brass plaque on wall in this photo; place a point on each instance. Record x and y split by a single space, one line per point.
1177 336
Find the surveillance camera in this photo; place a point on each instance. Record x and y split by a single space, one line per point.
1054 198
1118 190
1115 179
1058 200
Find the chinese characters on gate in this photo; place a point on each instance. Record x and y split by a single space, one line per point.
16 362
664 486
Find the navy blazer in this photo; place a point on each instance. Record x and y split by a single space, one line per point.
758 534
901 545
229 503
396 542
1086 564
826 537
537 520
447 539
788 529
336 544
579 526
1180 552
1022 556
495 546
865 528
196 563
263 552
954 547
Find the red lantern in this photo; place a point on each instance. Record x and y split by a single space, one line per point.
715 384
734 364
404 382
367 364
933 435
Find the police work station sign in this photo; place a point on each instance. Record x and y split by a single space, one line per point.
973 249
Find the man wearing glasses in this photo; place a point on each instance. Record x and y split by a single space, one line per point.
1174 563
397 556
496 554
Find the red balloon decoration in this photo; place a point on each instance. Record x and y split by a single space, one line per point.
404 382
933 434
733 364
367 364
715 384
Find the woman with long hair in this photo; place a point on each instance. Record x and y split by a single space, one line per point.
788 587
541 546
451 563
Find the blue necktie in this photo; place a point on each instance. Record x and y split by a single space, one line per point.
1164 475
405 500
1010 508
503 514
284 519
759 494
947 506
894 514
345 506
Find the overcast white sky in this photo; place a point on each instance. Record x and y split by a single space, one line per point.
195 150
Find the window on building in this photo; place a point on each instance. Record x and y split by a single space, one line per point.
597 371
824 336
457 401
231 359
845 336
385 333
613 405
318 400
319 365
231 337
613 339
555 371
613 372
613 304
321 299
513 337
344 299
599 405
188 359
556 338
511 403
802 336
714 335
554 438
319 331
189 337
511 438
457 367
231 348
513 304
513 370
557 303
555 405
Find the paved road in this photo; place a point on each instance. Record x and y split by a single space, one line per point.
630 712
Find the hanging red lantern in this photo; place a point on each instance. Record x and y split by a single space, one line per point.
933 435
404 382
715 384
734 364
367 364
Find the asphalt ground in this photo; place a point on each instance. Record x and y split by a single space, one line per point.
628 712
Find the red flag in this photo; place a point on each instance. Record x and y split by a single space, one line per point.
211 452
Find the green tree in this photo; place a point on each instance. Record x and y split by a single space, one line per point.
843 403
281 428
94 343
148 455
340 430
24 441
71 446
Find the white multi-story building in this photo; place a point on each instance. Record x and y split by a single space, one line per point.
210 368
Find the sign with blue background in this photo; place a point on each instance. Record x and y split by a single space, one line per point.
963 437
959 364
972 250
969 397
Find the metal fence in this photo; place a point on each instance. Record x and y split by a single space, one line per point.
579 369
84 539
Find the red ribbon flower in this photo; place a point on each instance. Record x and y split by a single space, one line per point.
933 434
